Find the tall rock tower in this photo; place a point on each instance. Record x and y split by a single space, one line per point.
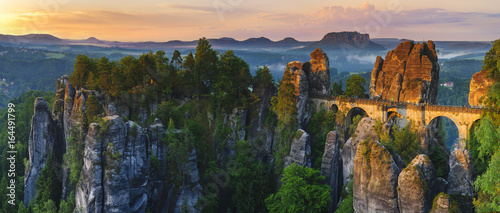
409 73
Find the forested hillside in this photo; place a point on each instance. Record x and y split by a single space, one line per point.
200 133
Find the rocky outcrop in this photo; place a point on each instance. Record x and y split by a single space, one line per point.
443 204
331 166
192 191
409 73
318 71
301 83
42 141
89 195
479 85
365 130
375 179
300 151
415 185
461 177
115 169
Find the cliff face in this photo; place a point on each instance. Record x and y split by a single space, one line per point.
331 165
375 179
116 174
42 141
311 78
409 73
317 72
479 85
364 131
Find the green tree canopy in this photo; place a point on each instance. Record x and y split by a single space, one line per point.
355 86
263 78
205 66
337 88
302 191
233 81
284 105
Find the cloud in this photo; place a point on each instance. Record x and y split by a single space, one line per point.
170 21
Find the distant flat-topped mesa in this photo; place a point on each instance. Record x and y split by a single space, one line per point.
346 41
317 71
409 73
479 85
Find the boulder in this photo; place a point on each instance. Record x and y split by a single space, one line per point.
331 166
375 179
415 185
444 204
479 85
300 151
409 73
461 177
365 130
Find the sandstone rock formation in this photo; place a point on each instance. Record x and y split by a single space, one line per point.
365 130
375 179
409 73
301 83
331 165
461 177
415 185
300 151
192 192
115 169
317 71
479 85
42 140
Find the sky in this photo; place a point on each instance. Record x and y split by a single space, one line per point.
164 20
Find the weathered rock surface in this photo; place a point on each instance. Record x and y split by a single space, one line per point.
301 83
409 73
331 165
444 204
300 151
365 130
375 179
89 195
479 85
318 71
115 172
415 185
192 192
461 177
42 140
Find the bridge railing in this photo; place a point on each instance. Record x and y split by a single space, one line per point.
426 106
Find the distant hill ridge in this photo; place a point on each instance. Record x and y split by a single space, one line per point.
333 41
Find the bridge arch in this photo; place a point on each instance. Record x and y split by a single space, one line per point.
451 128
353 112
334 108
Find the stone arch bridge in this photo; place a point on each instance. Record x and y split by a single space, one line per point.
421 114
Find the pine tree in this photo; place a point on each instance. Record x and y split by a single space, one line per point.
48 184
284 105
